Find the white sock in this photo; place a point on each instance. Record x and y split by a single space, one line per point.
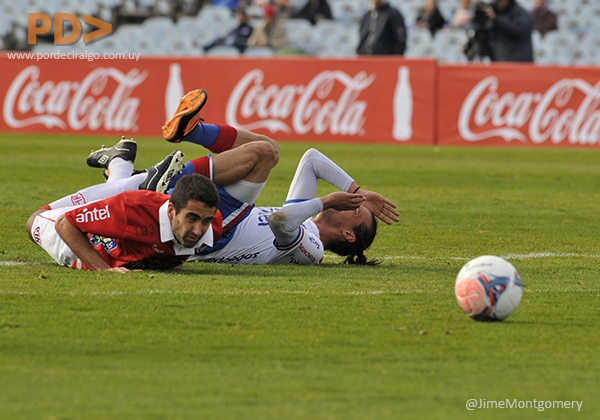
245 191
119 169
100 191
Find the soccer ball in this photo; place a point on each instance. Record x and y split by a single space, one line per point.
488 288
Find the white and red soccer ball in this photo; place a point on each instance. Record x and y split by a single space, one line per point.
488 288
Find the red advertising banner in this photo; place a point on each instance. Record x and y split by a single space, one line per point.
366 100
518 105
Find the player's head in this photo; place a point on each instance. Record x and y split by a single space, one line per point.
192 207
358 230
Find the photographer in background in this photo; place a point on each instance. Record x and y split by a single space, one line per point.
511 29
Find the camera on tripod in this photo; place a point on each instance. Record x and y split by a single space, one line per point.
479 44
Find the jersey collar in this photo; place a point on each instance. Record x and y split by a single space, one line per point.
166 234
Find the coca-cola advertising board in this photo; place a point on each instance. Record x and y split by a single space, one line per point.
366 100
518 105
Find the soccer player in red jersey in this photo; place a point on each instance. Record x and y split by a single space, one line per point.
137 229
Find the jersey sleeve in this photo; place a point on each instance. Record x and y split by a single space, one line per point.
306 249
286 222
314 166
103 217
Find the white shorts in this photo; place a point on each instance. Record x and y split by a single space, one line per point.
44 234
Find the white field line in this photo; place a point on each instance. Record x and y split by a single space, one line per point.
532 255
75 293
16 263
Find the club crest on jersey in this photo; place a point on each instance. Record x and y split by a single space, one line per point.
89 216
36 235
109 244
77 199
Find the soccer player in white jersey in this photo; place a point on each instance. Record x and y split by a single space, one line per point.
344 222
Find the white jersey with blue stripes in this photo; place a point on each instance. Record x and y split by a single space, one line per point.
254 243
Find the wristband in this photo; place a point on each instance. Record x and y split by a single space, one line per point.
357 188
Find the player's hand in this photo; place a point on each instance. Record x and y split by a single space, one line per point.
118 270
381 207
342 201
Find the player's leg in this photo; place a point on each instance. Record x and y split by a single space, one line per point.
243 171
120 160
256 159
41 230
186 125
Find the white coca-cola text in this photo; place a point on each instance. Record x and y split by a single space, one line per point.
311 107
567 110
75 105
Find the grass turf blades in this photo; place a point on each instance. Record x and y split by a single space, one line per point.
328 342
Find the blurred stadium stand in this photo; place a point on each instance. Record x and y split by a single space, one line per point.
182 27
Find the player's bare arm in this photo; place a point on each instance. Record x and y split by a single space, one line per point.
81 246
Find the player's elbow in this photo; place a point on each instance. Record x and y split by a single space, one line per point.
63 226
59 226
276 221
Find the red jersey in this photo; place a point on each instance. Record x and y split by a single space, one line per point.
133 230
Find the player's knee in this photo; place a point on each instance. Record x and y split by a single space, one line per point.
266 153
29 224
269 149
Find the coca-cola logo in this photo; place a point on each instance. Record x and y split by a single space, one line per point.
567 110
313 107
86 103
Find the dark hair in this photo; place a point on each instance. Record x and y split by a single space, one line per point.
354 251
194 187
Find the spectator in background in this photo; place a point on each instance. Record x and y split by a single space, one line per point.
270 33
238 37
512 27
313 11
284 9
462 17
430 17
544 20
382 30
232 4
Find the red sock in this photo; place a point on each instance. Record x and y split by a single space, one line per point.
203 166
225 140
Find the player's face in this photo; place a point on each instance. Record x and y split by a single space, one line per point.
359 216
348 219
191 223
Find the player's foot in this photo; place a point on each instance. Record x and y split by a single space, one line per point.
126 149
160 174
106 173
187 116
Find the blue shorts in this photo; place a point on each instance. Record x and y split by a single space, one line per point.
233 212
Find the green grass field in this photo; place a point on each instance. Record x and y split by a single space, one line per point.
326 342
